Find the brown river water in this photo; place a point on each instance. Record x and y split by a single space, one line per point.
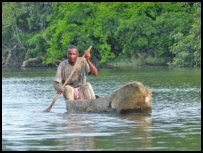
174 124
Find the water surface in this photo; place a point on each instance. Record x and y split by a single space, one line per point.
174 124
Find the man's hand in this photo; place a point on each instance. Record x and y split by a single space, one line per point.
56 86
59 91
87 55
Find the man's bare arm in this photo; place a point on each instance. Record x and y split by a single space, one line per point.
93 69
57 87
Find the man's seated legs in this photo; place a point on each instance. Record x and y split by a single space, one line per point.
85 92
88 91
68 93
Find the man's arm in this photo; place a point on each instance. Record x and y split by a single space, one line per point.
93 69
57 87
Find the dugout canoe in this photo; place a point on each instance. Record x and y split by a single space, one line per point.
132 97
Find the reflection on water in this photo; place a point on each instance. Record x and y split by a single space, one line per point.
84 132
79 130
174 124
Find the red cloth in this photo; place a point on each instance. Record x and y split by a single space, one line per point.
77 93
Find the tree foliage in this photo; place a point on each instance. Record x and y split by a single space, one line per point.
170 31
187 46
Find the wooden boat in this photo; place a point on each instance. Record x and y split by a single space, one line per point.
132 97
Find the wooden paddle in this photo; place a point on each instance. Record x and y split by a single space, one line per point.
76 66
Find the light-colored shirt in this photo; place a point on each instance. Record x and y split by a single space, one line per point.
79 76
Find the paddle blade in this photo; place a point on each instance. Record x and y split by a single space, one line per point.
47 110
54 100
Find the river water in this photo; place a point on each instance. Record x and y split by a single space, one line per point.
174 124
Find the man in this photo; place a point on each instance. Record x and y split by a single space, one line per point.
77 87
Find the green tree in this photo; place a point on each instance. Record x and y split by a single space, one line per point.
187 47
136 29
23 25
166 31
13 45
81 24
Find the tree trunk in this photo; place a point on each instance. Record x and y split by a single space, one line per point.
7 51
25 63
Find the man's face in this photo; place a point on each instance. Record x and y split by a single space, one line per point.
72 55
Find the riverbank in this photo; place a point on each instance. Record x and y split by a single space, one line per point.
136 62
115 63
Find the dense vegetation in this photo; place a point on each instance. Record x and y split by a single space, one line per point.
154 32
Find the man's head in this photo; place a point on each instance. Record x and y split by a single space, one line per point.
72 54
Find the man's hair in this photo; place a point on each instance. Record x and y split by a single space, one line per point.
71 47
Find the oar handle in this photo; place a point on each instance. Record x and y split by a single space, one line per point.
67 80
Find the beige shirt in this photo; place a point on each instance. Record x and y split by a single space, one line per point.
78 78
